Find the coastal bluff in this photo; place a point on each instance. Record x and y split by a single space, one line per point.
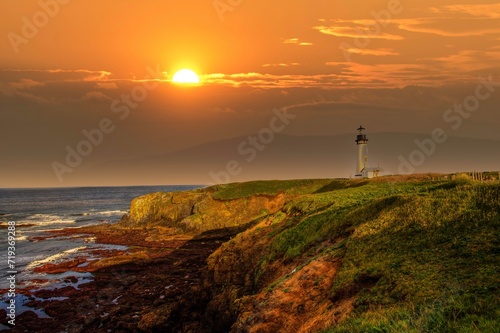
415 253
197 211
405 253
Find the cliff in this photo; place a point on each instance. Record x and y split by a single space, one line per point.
219 207
198 211
400 254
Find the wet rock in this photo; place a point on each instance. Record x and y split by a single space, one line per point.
60 267
157 318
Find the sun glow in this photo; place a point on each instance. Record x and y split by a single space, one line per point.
186 76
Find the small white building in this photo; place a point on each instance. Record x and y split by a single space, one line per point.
370 172
362 169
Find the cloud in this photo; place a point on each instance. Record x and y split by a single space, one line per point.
432 71
96 96
56 85
449 27
348 75
480 20
356 29
107 85
296 41
472 60
281 65
372 52
24 84
245 75
264 80
477 10
397 75
54 75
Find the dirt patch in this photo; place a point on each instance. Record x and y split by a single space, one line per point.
299 304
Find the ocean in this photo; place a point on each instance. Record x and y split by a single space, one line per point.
36 211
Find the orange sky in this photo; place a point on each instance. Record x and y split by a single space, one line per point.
302 38
64 62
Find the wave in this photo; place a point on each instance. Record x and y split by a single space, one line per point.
106 212
66 218
40 216
41 223
76 252
40 220
54 258
45 219
21 237
100 212
58 281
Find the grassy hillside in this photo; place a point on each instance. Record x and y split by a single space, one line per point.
389 255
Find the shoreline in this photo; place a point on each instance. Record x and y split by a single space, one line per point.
133 289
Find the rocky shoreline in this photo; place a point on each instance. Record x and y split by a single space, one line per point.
136 290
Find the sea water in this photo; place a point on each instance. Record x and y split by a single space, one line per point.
37 211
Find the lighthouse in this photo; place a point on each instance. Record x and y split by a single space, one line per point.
362 142
362 169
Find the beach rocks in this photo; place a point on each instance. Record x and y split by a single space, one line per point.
157 318
154 286
61 267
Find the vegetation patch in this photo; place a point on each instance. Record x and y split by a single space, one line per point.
271 188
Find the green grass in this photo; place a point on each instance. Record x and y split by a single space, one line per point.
419 256
343 209
437 264
271 188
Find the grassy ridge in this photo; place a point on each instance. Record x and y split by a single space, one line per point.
271 188
417 256
433 260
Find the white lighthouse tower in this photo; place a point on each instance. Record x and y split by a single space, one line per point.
362 169
362 142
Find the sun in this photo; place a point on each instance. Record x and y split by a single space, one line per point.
186 76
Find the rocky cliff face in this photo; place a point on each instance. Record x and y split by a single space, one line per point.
239 286
252 292
197 211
